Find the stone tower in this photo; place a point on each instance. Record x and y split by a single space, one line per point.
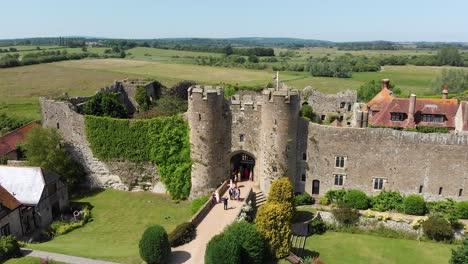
205 118
279 124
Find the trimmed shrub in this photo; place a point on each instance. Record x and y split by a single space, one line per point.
182 234
318 227
462 209
460 255
281 191
324 200
222 251
345 215
387 200
250 240
446 208
304 199
274 223
414 205
356 199
335 196
154 245
198 203
437 228
8 247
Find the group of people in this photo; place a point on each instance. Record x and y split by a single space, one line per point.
241 174
234 191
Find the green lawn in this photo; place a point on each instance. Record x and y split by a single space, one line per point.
29 260
334 247
119 221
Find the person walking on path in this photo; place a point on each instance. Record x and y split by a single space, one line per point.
225 202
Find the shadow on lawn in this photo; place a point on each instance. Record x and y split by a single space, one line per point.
85 193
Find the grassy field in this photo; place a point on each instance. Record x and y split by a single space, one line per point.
21 86
177 56
29 260
119 221
335 247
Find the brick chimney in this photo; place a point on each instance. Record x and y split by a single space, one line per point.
445 92
412 106
385 84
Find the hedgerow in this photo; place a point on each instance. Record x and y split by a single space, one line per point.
164 141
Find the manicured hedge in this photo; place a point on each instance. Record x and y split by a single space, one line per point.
222 250
356 199
387 200
249 239
154 245
462 209
437 228
163 141
414 205
182 234
304 199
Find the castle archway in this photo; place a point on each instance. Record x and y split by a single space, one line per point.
242 163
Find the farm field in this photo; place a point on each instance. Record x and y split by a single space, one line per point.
334 247
119 219
22 86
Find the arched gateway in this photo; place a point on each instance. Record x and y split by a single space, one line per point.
241 163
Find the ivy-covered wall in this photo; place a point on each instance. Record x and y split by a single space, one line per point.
163 141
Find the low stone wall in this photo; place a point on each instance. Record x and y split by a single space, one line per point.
206 208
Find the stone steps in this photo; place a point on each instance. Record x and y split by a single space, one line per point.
260 199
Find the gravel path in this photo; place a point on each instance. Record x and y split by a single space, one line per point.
61 257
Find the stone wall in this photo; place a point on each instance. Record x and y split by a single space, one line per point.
324 105
404 160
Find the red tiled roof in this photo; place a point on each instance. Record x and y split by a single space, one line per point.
8 200
9 141
446 107
379 101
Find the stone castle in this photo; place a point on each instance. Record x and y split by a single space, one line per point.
265 134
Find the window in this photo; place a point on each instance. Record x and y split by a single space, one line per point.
339 179
339 162
433 118
5 230
303 177
440 190
304 156
397 116
460 192
341 118
342 105
349 107
241 138
420 189
323 117
378 183
58 126
199 117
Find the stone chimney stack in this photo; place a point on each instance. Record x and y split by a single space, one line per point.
385 84
445 92
412 106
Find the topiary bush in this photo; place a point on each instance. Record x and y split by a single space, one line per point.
356 199
345 215
182 234
460 255
304 199
273 221
222 250
462 209
281 191
335 196
414 205
9 248
250 240
154 245
437 228
387 200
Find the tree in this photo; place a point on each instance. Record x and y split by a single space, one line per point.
460 255
105 104
370 89
44 148
273 221
180 89
449 56
308 113
228 50
253 59
154 245
282 191
142 99
456 79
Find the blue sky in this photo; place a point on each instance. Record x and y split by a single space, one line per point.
336 20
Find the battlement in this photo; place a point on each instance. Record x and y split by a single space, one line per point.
285 95
205 92
247 102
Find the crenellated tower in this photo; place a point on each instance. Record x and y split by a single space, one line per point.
279 124
205 117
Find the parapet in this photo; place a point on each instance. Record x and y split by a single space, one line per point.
205 92
247 102
285 95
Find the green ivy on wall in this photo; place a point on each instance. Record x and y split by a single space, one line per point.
164 141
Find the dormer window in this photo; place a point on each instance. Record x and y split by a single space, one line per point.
433 118
397 116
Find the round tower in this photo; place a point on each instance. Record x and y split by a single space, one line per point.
280 114
205 118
